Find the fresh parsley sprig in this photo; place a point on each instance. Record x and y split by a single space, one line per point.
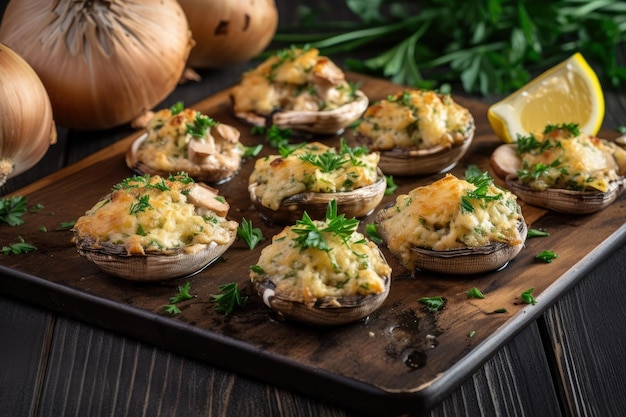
182 295
12 209
17 248
200 126
482 182
309 235
228 299
251 235
433 304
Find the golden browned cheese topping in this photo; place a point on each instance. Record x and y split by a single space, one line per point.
566 158
292 79
312 167
416 119
186 140
446 215
153 214
352 266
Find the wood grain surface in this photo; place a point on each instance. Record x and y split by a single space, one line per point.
368 357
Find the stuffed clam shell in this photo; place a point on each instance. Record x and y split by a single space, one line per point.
184 140
416 132
282 188
326 282
298 89
449 227
151 229
563 170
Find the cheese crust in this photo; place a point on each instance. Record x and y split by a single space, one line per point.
432 217
278 177
293 79
350 267
151 214
416 119
566 160
170 147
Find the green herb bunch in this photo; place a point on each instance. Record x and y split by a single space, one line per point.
490 46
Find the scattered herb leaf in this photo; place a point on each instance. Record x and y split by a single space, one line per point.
500 310
475 293
66 225
18 248
391 185
471 334
372 233
171 309
12 209
433 303
36 208
537 233
275 136
251 151
547 256
528 298
183 293
252 236
228 299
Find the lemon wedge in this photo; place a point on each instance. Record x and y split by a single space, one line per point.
566 93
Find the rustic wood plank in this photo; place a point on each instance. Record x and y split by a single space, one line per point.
515 382
95 373
25 333
587 330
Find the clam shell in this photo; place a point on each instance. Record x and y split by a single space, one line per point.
467 261
357 203
566 201
326 122
408 162
325 311
214 176
170 264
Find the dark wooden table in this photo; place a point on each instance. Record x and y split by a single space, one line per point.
568 361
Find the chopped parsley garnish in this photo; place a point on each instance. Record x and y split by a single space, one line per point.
311 236
482 182
547 256
183 294
252 236
141 205
528 298
570 127
537 233
391 185
12 209
251 151
66 225
200 126
475 293
433 303
275 136
18 248
327 161
372 232
228 299
177 108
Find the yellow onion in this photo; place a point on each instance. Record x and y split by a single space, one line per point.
27 128
229 32
103 62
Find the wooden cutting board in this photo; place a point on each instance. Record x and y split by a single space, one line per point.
400 358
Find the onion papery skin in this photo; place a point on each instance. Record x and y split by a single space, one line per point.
229 32
103 62
27 128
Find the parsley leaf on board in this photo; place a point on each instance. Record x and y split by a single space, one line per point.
228 299
12 209
18 248
251 235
